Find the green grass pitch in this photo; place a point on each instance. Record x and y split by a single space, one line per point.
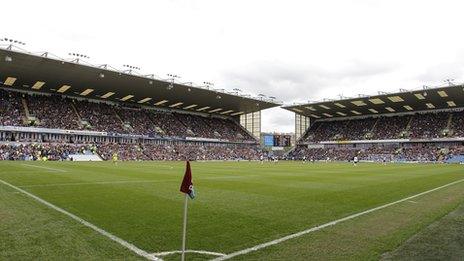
238 205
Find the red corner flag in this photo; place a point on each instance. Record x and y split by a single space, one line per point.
187 185
187 188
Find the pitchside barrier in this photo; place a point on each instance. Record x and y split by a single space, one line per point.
81 157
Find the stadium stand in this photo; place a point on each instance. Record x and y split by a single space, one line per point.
422 126
379 153
48 112
386 127
57 113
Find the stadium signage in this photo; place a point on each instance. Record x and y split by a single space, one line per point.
315 146
53 131
205 139
385 141
110 134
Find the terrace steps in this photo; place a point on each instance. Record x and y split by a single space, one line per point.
408 126
189 130
118 117
79 119
25 107
73 106
375 124
450 121
29 119
371 132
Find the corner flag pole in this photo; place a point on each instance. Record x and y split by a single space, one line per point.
184 232
187 188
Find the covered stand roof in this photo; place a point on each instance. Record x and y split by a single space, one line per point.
27 71
408 101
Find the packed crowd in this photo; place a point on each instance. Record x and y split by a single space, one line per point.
322 131
168 124
184 151
458 124
52 112
322 154
357 129
418 152
10 109
100 117
191 151
57 112
417 126
138 120
455 151
390 127
41 151
430 125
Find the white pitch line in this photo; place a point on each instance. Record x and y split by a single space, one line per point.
332 223
118 240
167 253
42 167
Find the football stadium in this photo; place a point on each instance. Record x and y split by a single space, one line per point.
93 159
99 162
